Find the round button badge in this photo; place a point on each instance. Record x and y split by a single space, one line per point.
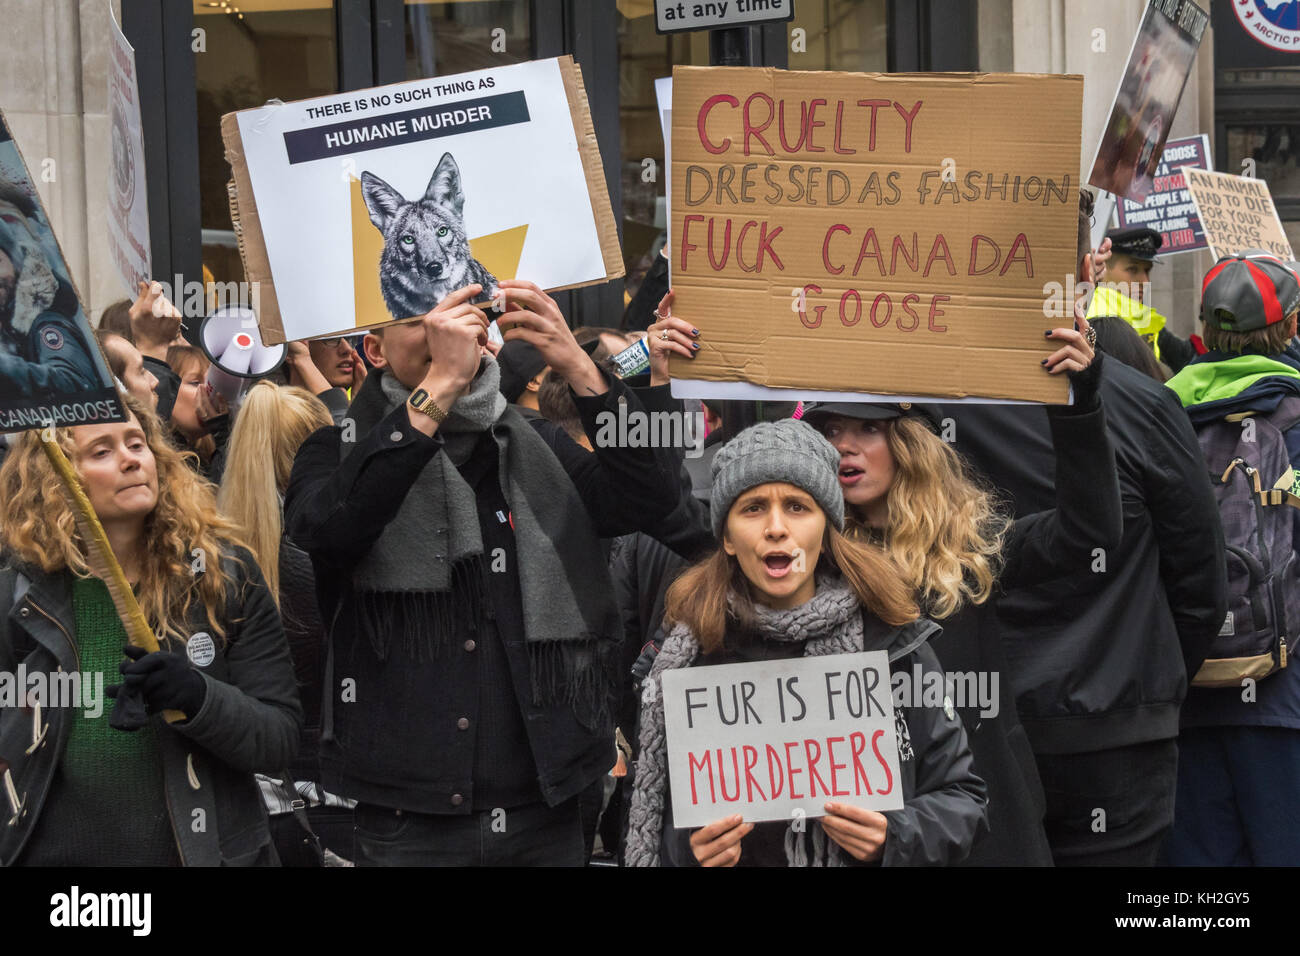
202 649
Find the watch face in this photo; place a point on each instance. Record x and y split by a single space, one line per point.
418 397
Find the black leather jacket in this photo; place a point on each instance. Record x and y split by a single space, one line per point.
250 719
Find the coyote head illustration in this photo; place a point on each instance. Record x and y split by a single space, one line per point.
426 250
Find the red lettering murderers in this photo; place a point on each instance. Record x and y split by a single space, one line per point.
799 128
732 774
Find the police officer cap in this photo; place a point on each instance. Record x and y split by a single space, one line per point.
1139 242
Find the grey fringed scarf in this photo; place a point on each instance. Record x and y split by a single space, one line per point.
424 576
831 623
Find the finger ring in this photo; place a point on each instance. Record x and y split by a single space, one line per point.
664 335
1091 336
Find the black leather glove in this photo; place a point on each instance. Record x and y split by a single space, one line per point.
164 679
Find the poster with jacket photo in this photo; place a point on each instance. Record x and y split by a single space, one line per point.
367 207
51 370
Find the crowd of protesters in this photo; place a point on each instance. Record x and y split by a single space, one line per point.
413 604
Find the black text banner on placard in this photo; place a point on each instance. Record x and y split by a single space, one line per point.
775 740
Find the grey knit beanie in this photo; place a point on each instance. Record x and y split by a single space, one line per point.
787 450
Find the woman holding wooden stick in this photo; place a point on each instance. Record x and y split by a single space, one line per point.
83 787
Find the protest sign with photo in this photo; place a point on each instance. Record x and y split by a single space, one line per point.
366 207
873 233
128 202
773 740
1237 213
1168 208
51 369
1147 99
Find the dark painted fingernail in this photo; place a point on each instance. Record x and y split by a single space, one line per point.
1048 334
695 345
1044 362
695 331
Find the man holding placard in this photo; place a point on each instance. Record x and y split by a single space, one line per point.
473 651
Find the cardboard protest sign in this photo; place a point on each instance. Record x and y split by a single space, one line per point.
128 205
872 233
776 739
1147 99
1237 213
1168 208
51 369
366 207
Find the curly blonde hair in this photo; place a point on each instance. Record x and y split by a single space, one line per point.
945 533
37 527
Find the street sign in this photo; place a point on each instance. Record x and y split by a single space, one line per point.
675 16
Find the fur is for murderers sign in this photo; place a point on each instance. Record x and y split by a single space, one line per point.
873 233
366 207
773 740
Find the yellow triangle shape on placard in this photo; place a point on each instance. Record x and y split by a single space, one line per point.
499 252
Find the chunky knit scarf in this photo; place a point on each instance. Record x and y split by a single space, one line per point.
423 580
831 623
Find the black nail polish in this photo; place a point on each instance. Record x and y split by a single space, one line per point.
695 331
1043 362
1047 334
695 345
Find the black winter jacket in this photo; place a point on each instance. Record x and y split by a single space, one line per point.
1099 657
249 721
401 742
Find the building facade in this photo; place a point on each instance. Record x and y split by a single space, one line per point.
199 59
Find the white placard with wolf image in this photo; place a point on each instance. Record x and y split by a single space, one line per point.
439 162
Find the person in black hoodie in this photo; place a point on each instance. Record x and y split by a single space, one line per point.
471 669
1099 660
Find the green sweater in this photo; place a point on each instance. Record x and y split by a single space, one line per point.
106 805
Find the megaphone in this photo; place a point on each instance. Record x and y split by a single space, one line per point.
233 343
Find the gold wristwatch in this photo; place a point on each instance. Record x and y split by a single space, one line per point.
422 403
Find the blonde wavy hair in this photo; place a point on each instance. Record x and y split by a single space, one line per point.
698 597
273 422
945 532
38 528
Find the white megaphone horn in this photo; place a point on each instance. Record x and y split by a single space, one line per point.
232 341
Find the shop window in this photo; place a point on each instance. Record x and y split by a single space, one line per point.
445 37
251 52
643 57
847 35
1274 149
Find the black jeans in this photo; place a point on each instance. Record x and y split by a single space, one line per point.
1110 807
529 835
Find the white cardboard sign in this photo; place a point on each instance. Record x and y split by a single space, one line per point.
373 205
776 740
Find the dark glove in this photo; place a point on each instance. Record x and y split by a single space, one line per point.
164 679
128 708
1087 386
641 668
